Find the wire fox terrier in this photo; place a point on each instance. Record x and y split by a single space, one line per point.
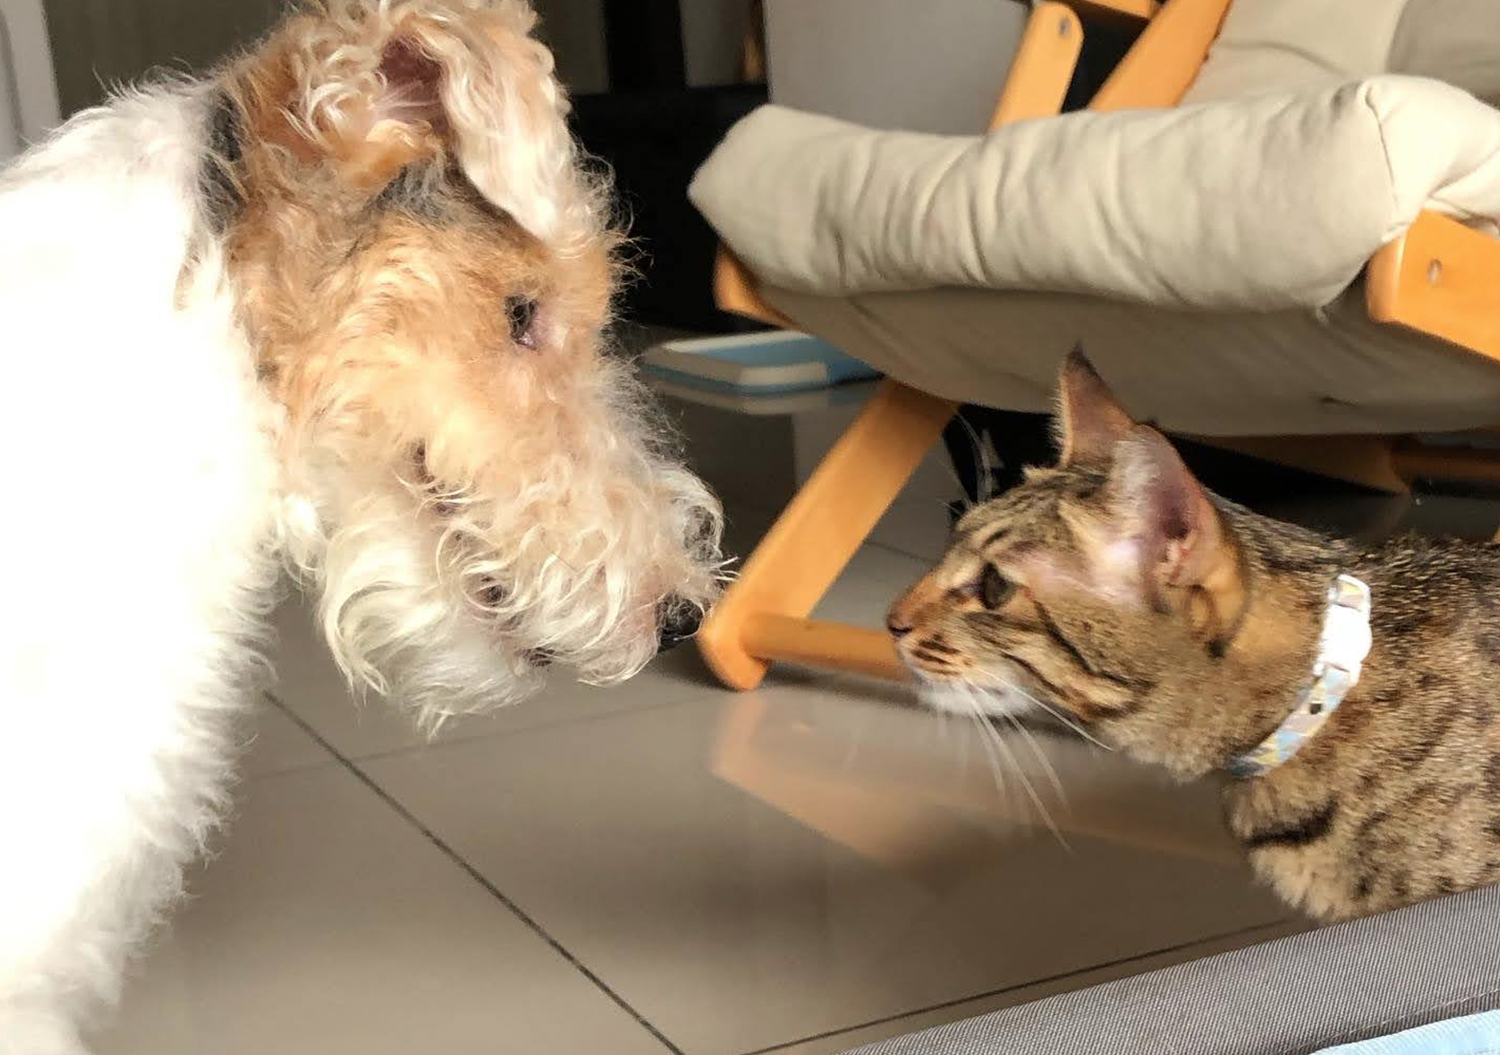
337 308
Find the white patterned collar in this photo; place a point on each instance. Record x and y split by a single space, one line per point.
1341 654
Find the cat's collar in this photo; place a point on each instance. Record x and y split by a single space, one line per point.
1341 654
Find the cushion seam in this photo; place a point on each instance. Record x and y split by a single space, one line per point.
1385 151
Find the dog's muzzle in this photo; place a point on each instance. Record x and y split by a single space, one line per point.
678 621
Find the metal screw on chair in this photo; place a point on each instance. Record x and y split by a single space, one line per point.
1434 272
1064 27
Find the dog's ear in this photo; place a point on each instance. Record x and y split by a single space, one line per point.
401 119
412 83
369 89
406 120
368 111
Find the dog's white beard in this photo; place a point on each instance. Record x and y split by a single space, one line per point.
402 588
388 620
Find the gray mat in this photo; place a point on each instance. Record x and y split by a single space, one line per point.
1288 997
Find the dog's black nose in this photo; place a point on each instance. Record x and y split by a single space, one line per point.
679 620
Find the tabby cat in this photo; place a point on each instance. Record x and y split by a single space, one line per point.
1184 630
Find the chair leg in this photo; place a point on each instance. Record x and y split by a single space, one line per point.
762 616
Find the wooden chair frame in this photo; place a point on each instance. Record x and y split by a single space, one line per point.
1439 279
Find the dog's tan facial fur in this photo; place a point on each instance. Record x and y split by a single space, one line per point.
425 272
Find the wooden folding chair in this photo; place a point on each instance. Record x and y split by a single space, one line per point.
1438 279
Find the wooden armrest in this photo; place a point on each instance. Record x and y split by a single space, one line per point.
735 292
1439 278
1043 67
1162 65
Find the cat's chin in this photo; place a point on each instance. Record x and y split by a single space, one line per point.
971 700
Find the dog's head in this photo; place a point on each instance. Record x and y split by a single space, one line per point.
425 270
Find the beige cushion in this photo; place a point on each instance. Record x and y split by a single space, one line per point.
918 65
1271 45
1268 202
1277 373
1457 41
1277 45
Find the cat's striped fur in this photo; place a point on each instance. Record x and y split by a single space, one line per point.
1182 628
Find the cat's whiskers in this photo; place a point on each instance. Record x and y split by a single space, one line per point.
1041 756
963 751
986 468
986 475
964 501
996 746
996 767
1054 712
855 740
1036 799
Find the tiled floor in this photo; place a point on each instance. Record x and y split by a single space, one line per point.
670 867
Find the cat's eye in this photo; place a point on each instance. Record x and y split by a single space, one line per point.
994 588
520 314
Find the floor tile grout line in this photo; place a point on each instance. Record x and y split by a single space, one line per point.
286 771
473 873
350 765
392 752
943 1005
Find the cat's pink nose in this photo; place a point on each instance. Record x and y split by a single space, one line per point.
897 626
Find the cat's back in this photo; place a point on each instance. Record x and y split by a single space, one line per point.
1397 798
1435 603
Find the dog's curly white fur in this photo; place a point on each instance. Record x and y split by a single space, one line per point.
335 308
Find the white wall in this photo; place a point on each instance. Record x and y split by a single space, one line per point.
575 31
10 97
28 91
713 34
117 40
922 65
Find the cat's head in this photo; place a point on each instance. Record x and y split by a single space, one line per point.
1105 588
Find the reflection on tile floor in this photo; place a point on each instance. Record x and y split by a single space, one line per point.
666 866
332 924
732 926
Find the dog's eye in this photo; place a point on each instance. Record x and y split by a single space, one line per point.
994 588
419 461
540 658
520 313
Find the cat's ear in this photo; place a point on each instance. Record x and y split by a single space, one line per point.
1170 519
1090 421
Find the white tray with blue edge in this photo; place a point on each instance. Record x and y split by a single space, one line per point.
770 363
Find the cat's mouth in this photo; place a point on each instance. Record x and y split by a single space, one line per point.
1011 693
